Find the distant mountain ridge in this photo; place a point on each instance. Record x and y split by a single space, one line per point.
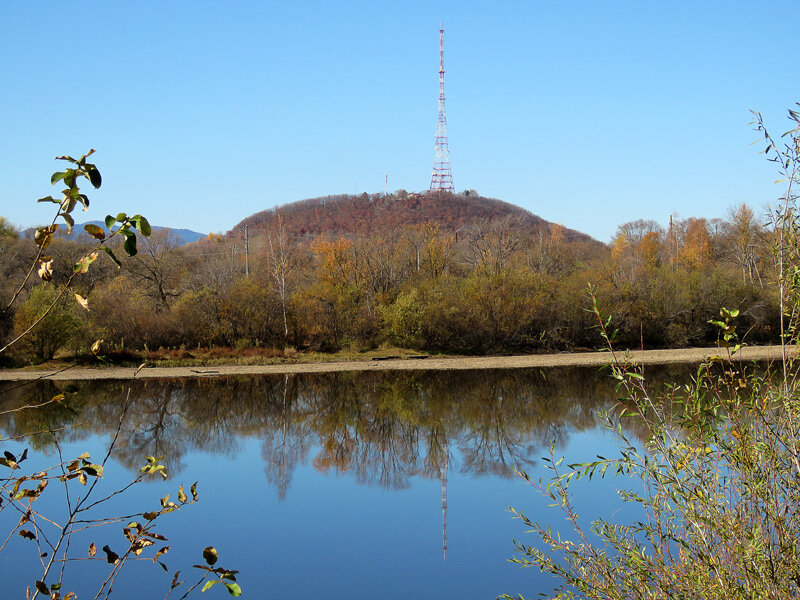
346 214
183 236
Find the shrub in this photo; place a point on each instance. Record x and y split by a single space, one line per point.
55 329
717 479
716 483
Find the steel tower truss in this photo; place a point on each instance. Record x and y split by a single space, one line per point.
442 178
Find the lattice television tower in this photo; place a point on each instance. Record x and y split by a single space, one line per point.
442 178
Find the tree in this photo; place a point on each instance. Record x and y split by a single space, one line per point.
490 244
695 253
744 243
281 260
7 229
157 266
636 231
650 250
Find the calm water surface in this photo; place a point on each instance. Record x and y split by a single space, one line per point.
347 485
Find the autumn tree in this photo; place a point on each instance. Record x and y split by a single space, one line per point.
548 251
695 252
745 243
7 229
635 231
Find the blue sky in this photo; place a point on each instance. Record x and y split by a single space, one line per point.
588 114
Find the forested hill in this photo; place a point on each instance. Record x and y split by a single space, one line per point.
346 214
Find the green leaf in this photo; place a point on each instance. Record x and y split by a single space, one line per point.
130 245
112 256
209 584
49 199
95 231
57 176
122 217
42 588
109 221
233 588
142 225
70 221
210 555
94 176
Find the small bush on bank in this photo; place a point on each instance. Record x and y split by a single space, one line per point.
53 331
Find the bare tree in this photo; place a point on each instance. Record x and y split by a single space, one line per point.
281 259
158 265
490 244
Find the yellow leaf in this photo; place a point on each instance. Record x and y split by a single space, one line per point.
82 301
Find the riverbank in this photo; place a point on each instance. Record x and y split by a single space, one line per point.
583 359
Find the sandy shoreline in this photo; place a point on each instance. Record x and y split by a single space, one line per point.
648 357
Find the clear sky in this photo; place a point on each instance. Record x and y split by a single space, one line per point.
587 113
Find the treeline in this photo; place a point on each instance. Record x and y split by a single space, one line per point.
491 286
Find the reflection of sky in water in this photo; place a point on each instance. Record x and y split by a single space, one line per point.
340 533
330 537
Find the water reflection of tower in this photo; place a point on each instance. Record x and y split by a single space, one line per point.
443 479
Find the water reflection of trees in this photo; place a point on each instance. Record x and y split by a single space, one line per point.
383 427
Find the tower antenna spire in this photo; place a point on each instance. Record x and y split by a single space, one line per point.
442 178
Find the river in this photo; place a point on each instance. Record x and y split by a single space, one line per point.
337 485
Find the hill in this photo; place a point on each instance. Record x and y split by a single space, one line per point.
345 214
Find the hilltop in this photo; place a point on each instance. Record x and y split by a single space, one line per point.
346 214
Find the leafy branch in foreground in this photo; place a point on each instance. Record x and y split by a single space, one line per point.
716 482
71 196
53 537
